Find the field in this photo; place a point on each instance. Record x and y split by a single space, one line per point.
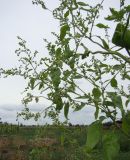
52 143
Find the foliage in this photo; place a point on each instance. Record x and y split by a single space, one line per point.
6 128
79 53
73 148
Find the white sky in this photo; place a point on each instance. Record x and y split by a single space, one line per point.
21 18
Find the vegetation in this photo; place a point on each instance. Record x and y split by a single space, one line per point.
55 143
6 128
78 54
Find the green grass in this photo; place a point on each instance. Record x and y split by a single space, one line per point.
70 145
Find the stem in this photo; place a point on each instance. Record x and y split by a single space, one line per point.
95 18
125 58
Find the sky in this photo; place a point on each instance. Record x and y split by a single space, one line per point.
21 18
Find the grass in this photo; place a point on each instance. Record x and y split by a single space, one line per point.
53 143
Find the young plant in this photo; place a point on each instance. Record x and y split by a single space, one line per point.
81 54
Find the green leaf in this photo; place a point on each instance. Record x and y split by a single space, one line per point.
110 18
77 76
116 15
108 103
91 70
55 76
66 110
32 82
58 53
127 8
76 5
36 99
78 107
85 54
82 97
103 65
82 4
97 110
111 146
117 100
63 31
113 82
113 11
102 118
72 63
100 25
58 101
41 85
105 45
127 102
126 76
96 92
118 67
66 14
93 135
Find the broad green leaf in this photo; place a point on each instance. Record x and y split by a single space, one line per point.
108 103
78 77
41 85
66 74
103 65
58 101
105 45
76 5
96 92
113 82
126 76
127 8
86 54
58 53
97 110
113 11
110 18
118 67
93 135
66 110
68 53
66 14
63 31
100 25
117 100
120 105
55 76
116 15
111 146
32 82
82 4
91 70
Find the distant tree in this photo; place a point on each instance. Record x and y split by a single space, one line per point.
0 120
83 52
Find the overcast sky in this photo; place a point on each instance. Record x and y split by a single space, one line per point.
21 18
